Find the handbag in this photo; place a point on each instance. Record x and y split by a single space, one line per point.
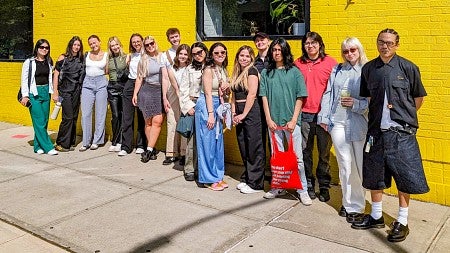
122 74
185 125
19 94
284 165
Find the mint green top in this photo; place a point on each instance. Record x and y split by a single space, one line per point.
282 88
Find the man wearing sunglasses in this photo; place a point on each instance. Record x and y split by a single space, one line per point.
396 92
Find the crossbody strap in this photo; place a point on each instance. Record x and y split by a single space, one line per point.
168 58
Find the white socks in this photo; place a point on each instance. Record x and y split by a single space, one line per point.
377 210
150 149
403 215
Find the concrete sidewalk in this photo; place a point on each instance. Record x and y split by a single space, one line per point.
98 202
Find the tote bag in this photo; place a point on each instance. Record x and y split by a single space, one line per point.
284 166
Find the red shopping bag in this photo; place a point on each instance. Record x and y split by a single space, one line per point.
284 166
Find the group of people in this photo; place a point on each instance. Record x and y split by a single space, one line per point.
367 109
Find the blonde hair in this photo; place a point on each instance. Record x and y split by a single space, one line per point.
354 42
240 77
143 62
111 53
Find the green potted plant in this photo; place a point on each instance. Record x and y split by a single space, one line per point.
286 13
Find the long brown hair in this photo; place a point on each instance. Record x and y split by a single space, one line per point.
240 76
176 61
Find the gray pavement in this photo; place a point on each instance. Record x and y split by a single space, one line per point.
98 202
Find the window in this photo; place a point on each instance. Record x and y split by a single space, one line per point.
16 34
240 19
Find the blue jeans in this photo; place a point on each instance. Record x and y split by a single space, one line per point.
297 140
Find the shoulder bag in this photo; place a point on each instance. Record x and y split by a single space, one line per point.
19 94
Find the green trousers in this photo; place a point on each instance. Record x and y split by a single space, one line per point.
39 111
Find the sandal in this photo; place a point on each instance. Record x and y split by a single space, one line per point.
223 184
216 187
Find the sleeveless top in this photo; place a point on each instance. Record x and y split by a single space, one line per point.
121 62
95 68
218 74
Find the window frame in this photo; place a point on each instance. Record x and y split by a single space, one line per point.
31 42
200 24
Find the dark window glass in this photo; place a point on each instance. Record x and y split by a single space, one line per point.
16 29
243 18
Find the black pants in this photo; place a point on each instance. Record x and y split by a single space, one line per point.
70 108
309 130
115 103
251 146
128 111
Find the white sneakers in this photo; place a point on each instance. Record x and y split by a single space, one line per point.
139 151
304 198
116 148
40 152
241 185
248 190
52 152
274 193
94 146
122 153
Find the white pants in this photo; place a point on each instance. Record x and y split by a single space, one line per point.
350 159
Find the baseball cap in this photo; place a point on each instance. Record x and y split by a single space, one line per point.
260 34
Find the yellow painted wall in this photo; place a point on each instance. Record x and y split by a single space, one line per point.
424 39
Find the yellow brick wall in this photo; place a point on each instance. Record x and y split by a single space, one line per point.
424 38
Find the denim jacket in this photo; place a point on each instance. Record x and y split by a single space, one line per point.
356 116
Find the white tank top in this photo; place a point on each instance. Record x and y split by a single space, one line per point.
95 68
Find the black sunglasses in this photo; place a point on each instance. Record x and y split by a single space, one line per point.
44 47
150 44
198 53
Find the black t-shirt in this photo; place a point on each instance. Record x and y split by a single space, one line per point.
400 80
42 72
239 92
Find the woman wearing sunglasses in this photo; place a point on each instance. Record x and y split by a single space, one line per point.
344 115
208 126
150 94
36 89
190 87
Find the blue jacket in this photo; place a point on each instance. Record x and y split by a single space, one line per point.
356 119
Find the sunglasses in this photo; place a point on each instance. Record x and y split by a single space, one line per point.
221 52
150 44
198 53
351 50
44 47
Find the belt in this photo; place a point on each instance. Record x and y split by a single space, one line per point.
41 84
403 129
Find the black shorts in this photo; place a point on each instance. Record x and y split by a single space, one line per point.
394 154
